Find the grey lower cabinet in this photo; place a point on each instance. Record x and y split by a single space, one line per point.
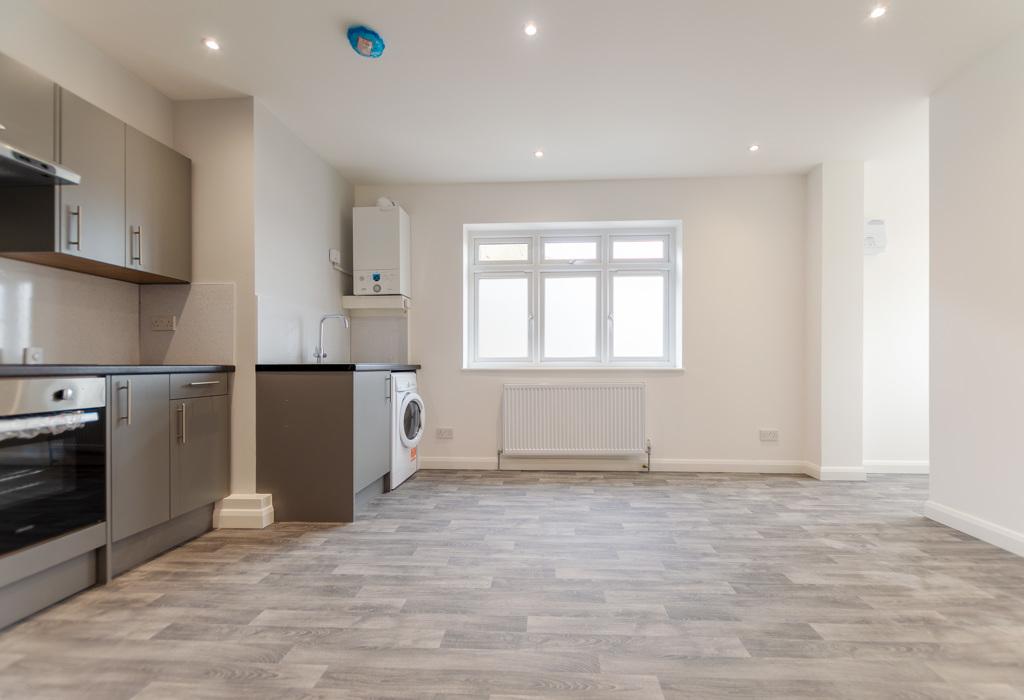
322 441
371 427
140 434
158 208
168 456
200 452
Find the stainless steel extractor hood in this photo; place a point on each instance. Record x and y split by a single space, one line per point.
18 169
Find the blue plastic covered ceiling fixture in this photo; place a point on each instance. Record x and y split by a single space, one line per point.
365 41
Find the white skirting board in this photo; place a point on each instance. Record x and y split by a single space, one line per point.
984 530
896 466
711 466
244 511
727 466
836 473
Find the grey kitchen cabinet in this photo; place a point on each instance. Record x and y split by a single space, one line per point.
91 218
322 441
139 455
200 452
27 109
371 424
158 209
130 218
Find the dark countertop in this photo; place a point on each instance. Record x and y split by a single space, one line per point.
327 367
86 370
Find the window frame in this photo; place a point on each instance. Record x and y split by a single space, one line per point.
536 269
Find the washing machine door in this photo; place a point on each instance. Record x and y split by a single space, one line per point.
410 419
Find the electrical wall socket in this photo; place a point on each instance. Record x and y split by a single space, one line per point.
445 433
769 435
163 323
32 356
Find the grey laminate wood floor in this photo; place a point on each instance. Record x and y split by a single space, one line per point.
517 585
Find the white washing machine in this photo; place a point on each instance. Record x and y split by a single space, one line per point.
406 427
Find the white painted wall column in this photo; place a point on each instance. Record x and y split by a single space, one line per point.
834 322
977 300
218 136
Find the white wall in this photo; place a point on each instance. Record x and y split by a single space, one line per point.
812 317
303 208
218 136
896 305
977 299
743 313
842 315
833 322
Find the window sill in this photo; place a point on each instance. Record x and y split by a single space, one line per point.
503 369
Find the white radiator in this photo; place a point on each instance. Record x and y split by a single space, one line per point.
569 420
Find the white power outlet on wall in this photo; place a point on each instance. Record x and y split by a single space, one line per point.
769 435
163 323
445 433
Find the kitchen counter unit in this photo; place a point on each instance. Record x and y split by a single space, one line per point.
357 367
103 370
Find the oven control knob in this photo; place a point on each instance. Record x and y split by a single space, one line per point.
63 394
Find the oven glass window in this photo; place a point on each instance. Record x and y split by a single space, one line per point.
51 484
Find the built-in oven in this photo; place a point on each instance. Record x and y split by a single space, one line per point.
52 458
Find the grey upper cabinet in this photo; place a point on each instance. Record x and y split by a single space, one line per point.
139 455
91 219
158 208
27 109
130 218
200 452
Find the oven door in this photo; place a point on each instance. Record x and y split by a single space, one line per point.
52 475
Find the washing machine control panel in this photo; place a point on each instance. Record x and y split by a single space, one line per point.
377 282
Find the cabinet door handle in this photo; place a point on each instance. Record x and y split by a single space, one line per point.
181 424
136 233
127 389
77 213
209 383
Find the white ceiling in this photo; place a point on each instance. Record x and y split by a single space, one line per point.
609 89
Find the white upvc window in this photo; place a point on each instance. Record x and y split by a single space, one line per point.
573 295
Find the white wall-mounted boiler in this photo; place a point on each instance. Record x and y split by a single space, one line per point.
380 250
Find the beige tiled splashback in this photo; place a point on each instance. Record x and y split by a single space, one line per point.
205 316
75 318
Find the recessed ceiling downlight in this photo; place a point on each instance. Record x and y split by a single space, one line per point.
878 12
754 148
211 43
530 29
538 153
